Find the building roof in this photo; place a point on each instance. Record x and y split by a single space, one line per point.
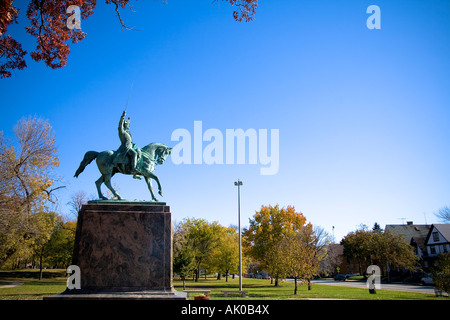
408 231
444 230
419 242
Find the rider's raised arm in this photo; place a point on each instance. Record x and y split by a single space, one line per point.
121 129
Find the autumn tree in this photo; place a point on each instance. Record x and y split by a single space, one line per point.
47 23
27 171
268 228
296 257
27 185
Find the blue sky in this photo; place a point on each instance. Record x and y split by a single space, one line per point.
362 114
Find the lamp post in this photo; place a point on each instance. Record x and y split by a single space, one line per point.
239 184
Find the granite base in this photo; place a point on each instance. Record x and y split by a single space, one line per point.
124 251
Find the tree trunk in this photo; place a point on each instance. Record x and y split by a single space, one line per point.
197 274
309 283
40 264
388 269
295 288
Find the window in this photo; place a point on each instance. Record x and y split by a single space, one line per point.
432 250
435 236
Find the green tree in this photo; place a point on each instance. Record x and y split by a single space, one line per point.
59 249
183 263
441 273
357 246
43 225
201 239
391 251
183 259
375 247
225 257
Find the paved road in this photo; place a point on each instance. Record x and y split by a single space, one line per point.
384 286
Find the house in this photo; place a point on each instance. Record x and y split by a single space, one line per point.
428 241
415 235
437 241
409 230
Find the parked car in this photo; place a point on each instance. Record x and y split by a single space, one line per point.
348 275
263 275
427 279
340 277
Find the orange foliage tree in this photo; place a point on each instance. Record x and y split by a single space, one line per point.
268 230
47 23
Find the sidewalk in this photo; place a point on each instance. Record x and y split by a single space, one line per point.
384 286
12 285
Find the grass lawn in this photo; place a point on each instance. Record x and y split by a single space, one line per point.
54 282
262 289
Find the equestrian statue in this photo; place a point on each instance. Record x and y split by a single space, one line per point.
128 159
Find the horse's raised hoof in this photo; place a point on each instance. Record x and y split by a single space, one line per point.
160 193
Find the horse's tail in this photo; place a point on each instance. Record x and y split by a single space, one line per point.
88 157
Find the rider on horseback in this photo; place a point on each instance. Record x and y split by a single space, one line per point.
127 147
128 159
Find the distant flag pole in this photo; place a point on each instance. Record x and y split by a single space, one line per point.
129 93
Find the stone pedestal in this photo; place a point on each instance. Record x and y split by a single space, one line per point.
124 251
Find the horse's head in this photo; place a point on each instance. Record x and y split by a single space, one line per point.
158 152
162 153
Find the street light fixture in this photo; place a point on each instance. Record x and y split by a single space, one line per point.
239 184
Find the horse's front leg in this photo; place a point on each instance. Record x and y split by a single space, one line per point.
154 177
150 187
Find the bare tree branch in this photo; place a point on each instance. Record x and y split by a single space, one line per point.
444 214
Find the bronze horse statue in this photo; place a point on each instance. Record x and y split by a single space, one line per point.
148 157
